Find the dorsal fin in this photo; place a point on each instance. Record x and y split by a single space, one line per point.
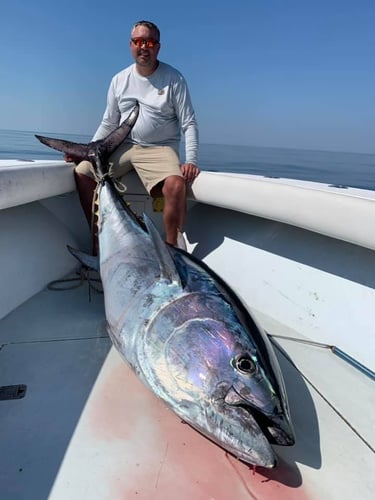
168 269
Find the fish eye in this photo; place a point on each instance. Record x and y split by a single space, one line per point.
244 364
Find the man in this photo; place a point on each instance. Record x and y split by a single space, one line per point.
152 147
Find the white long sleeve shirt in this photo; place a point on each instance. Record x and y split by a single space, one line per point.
165 109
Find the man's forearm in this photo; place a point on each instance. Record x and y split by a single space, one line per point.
191 144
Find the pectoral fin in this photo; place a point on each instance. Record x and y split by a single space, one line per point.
168 270
90 261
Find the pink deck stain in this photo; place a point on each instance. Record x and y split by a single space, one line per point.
156 456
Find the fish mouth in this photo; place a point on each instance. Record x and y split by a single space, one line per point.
276 427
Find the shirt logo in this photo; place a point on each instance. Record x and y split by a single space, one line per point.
161 92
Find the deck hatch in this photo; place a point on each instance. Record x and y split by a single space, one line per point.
12 392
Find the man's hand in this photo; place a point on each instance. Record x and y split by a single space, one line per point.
189 171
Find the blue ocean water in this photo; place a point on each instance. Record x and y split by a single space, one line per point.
348 169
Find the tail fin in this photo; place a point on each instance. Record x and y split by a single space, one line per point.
115 138
103 148
71 148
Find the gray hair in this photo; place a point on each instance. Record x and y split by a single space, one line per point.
149 25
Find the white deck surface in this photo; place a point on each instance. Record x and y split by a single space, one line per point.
55 343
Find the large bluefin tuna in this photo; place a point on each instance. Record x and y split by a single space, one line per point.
183 330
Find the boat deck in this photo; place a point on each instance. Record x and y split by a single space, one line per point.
78 435
88 429
55 344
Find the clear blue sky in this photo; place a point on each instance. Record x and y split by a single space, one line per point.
297 74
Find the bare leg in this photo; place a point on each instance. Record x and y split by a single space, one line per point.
174 192
85 187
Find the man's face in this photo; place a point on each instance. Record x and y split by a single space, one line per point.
143 55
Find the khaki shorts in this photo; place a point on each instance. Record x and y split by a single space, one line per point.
153 164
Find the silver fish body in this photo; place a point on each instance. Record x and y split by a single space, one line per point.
188 338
